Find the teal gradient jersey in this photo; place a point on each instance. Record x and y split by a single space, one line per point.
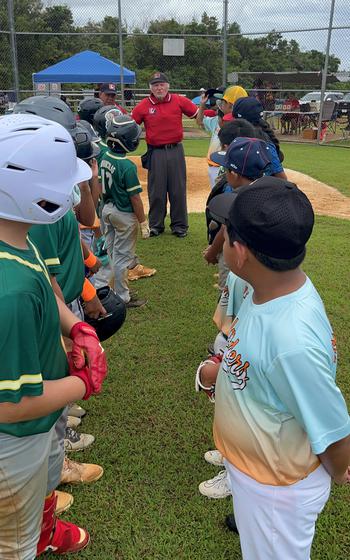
277 405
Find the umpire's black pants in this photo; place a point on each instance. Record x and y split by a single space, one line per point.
167 178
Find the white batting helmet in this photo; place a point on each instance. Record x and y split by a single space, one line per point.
38 169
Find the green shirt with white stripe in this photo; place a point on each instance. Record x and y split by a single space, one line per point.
119 181
59 244
31 349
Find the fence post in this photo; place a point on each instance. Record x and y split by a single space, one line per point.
13 47
325 71
121 58
224 45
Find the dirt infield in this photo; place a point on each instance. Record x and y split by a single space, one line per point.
326 200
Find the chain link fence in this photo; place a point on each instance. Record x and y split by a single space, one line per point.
278 52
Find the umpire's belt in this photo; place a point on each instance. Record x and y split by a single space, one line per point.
165 146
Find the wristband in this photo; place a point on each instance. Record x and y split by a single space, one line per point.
210 391
90 260
88 293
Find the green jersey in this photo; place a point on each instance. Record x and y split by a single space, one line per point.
61 242
103 149
31 349
43 240
119 181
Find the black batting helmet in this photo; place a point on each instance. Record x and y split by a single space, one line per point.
103 116
90 129
108 325
123 132
51 108
85 147
88 107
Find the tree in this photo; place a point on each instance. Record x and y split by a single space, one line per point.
143 47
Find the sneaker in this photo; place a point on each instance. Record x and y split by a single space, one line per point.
180 233
133 294
64 501
73 441
140 271
214 457
73 422
73 473
217 487
136 303
76 410
67 537
230 523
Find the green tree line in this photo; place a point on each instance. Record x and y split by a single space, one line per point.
143 53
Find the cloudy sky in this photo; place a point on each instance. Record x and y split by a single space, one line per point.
252 15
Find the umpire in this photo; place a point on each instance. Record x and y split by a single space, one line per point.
161 114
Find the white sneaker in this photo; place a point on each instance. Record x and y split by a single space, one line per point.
73 422
217 487
214 457
73 441
76 410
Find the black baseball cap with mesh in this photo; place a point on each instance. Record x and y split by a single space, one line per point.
271 215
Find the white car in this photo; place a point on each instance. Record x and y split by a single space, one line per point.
314 98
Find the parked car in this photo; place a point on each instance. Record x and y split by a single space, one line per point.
344 104
314 98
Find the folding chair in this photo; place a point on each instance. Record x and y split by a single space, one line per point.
329 115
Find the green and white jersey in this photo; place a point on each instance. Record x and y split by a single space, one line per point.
60 246
31 349
103 149
71 275
42 239
119 181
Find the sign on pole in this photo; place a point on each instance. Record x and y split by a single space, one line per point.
173 47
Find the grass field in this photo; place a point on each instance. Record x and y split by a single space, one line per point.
152 429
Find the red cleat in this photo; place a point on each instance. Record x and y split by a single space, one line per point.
57 536
67 537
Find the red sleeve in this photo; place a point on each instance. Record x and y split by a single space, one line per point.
188 108
138 113
228 117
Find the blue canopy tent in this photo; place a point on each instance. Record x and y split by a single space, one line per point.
85 67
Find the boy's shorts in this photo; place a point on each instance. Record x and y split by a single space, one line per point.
23 486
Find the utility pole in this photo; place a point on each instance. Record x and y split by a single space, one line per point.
224 44
325 71
13 47
121 59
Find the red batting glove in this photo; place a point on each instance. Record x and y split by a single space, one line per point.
88 354
83 374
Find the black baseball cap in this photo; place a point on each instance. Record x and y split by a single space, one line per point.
215 92
271 215
108 88
158 78
245 156
248 108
